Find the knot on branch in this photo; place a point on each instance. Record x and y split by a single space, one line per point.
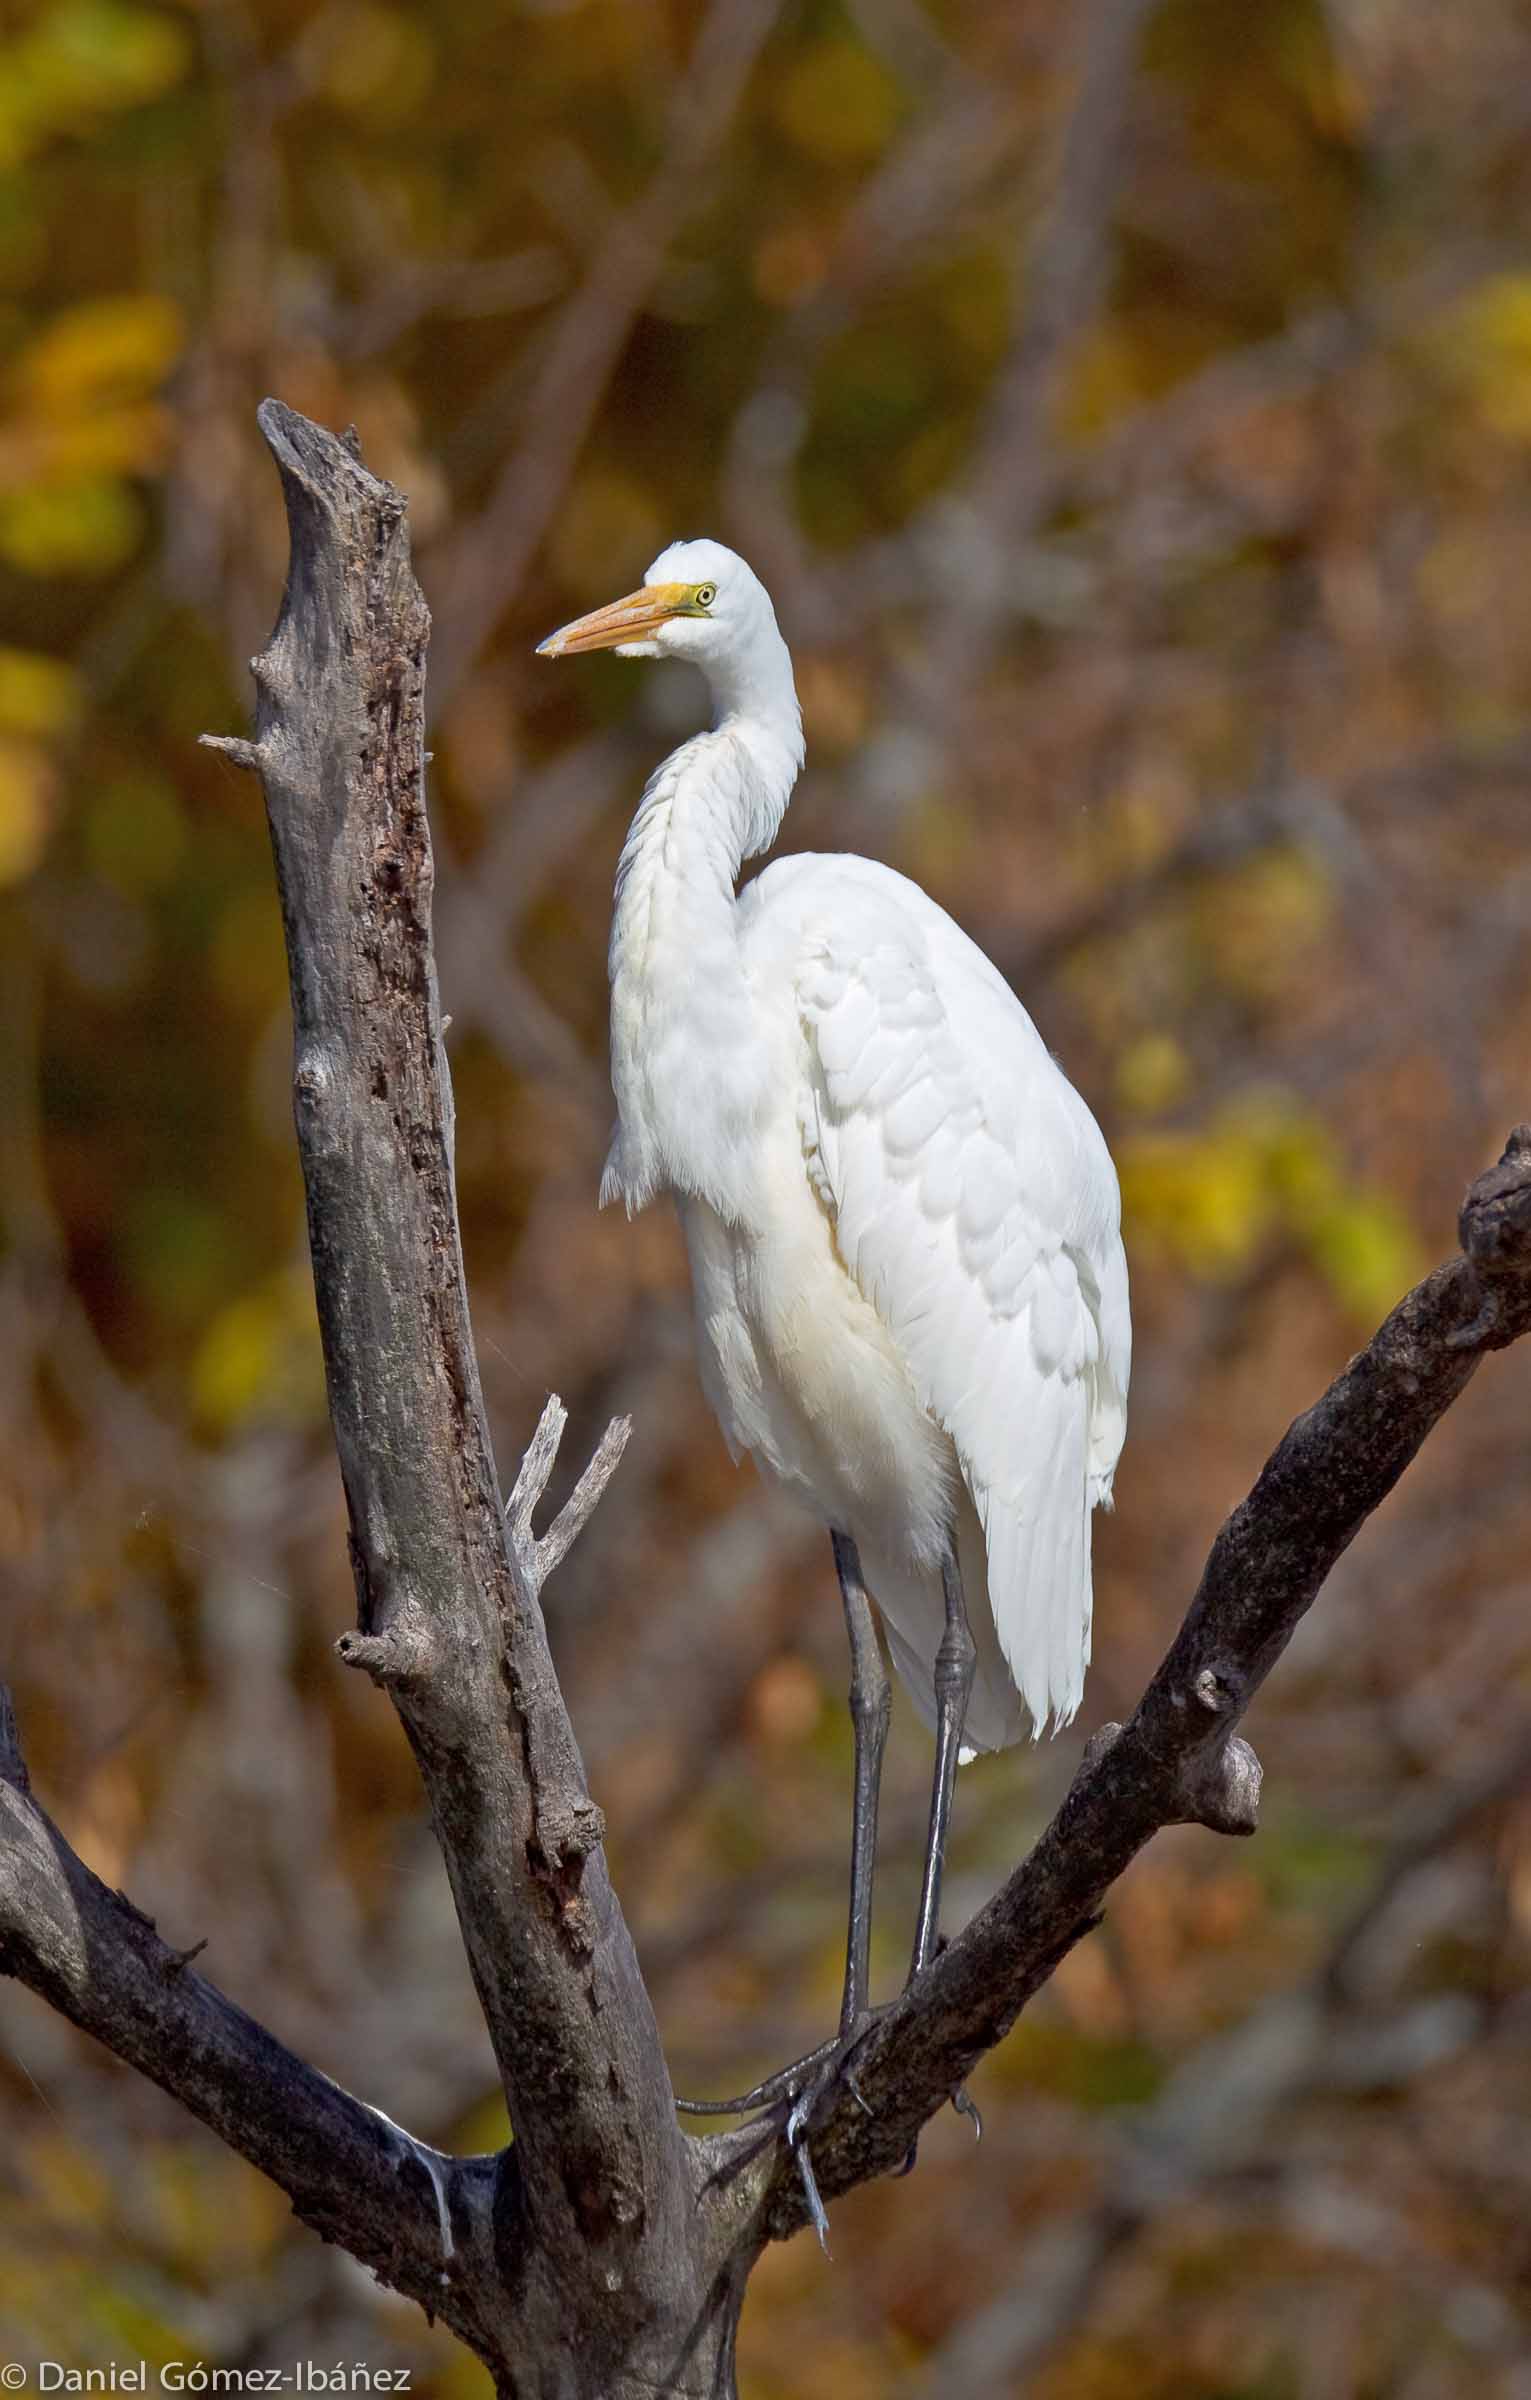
569 1827
1101 1740
1220 1690
398 1659
314 1076
1220 1788
271 672
1495 1224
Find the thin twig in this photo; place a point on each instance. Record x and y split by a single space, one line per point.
580 1506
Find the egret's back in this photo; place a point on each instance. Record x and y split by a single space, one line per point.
969 1200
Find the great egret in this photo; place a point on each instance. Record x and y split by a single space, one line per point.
902 1220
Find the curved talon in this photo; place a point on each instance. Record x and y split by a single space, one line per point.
966 2107
797 2128
856 2092
798 2121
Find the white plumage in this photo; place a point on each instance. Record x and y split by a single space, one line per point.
902 1220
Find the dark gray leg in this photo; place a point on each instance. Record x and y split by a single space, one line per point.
956 1660
871 1701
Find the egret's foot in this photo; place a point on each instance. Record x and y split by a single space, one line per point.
836 2066
785 2084
801 2087
789 2083
965 2107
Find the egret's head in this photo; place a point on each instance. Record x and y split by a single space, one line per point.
698 601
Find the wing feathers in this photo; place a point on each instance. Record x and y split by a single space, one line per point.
976 1206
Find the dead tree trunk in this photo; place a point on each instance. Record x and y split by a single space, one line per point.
604 2254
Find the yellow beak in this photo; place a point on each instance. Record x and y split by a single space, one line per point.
629 620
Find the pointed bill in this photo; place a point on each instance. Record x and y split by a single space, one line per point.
629 620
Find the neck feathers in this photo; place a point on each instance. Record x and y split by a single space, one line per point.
754 698
686 1057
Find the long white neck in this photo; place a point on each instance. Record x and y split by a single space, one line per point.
687 1063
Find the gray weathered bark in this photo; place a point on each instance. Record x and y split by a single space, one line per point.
604 2253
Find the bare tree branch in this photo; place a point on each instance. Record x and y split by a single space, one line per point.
420 2220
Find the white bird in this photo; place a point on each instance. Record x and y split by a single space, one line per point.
902 1220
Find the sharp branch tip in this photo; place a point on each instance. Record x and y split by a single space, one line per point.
235 747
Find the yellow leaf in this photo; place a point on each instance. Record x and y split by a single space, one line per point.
69 529
135 833
79 61
1259 923
608 515
378 62
1368 1251
118 347
836 103
1153 1073
245 957
26 807
1489 342
1207 1199
82 448
260 1358
1200 1197
38 694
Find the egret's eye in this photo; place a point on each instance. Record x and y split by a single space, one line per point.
706 593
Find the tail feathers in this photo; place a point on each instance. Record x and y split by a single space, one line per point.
1024 1553
1038 1542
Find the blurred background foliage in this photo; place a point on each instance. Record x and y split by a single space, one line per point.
1129 406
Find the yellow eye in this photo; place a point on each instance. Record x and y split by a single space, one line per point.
706 593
